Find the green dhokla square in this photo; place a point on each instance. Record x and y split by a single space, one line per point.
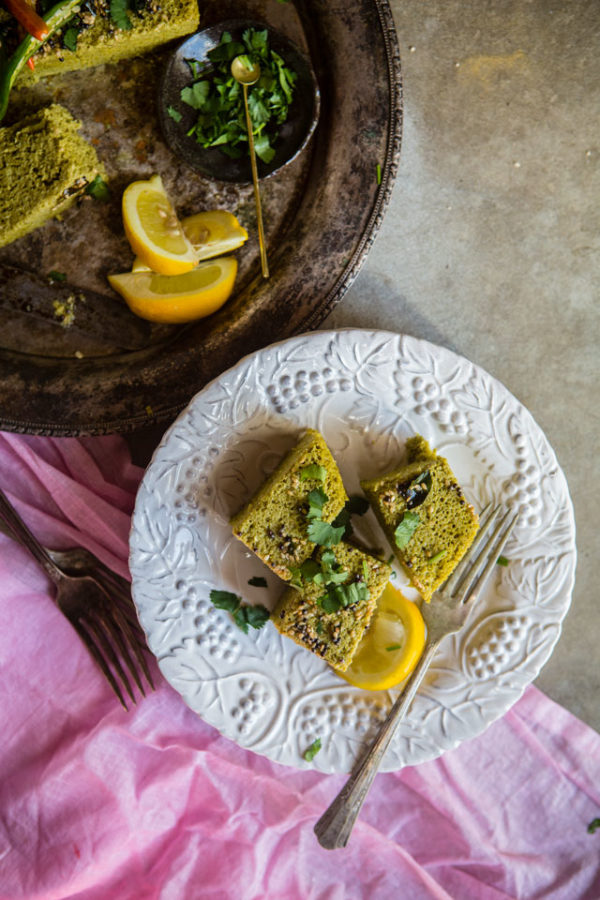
314 615
275 523
44 166
425 516
102 32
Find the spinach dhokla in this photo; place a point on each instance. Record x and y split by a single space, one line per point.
103 31
333 602
424 514
276 522
44 166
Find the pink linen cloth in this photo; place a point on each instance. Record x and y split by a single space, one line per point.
96 802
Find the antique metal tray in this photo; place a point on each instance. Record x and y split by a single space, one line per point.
322 214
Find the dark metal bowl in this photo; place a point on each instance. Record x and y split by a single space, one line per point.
294 133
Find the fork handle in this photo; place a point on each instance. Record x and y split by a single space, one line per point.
22 533
335 825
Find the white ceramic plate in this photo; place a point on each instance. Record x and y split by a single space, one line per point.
366 392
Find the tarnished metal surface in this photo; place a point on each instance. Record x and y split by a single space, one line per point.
321 214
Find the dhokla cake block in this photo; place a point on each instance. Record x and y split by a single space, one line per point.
45 165
274 524
105 31
425 516
314 615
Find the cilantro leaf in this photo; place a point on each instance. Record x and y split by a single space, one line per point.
196 95
394 647
239 617
310 752
405 530
98 189
118 14
324 534
436 557
174 113
319 473
57 276
593 826
225 600
255 616
316 501
258 581
502 561
69 39
340 596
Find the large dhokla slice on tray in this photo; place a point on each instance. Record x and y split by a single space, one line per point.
274 523
44 166
423 511
314 614
104 32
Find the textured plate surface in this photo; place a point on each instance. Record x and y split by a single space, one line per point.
366 392
321 211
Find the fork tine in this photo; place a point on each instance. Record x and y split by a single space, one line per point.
95 625
97 656
493 548
116 631
486 519
128 641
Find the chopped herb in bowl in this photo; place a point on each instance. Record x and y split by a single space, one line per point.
201 105
218 99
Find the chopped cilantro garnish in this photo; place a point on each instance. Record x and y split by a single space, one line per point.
225 600
502 561
57 276
69 39
255 616
437 556
324 534
593 826
174 113
98 189
405 530
316 501
243 614
319 473
258 581
218 98
310 752
394 647
118 14
340 596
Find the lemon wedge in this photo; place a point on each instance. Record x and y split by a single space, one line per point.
392 644
173 299
155 233
214 232
210 233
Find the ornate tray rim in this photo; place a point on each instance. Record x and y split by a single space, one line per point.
389 167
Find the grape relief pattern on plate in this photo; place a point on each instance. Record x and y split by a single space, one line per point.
366 392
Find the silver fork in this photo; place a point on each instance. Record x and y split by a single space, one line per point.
106 625
445 614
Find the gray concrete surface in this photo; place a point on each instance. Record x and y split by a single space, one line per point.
490 245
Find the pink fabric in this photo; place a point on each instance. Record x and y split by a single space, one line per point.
96 802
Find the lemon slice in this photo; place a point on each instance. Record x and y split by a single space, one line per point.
392 644
214 232
211 233
172 299
153 229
